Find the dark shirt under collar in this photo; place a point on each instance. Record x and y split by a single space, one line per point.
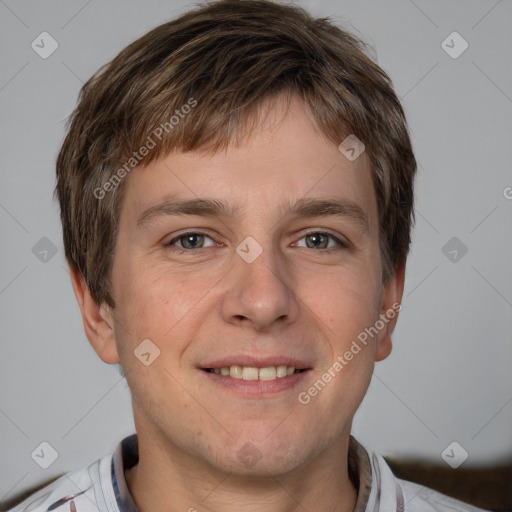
125 457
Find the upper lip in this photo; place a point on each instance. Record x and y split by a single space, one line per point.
256 362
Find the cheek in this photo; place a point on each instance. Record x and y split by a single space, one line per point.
348 304
161 305
345 302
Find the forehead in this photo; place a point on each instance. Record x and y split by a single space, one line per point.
285 157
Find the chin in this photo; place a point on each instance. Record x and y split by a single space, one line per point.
262 458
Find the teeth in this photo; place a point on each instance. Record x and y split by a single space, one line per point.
249 373
235 372
269 373
253 373
281 371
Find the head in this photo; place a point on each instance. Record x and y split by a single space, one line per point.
224 124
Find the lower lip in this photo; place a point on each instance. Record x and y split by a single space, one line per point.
256 387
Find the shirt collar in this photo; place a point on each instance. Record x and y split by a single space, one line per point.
126 456
360 473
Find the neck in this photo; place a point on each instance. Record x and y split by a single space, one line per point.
169 480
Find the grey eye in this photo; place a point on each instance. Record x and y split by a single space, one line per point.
319 240
191 241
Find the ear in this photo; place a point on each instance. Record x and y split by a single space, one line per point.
97 319
390 307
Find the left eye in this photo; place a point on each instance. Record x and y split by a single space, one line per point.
191 241
319 240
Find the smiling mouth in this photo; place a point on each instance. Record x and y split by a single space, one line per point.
254 373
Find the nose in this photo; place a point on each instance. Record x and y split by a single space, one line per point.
260 293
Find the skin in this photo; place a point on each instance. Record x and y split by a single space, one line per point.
297 300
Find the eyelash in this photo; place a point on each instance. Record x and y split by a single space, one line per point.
169 245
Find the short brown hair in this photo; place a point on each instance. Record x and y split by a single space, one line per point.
228 57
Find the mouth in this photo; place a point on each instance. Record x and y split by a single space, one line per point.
256 376
264 373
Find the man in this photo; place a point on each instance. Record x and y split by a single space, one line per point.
236 194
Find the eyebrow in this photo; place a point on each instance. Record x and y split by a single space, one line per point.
303 207
203 207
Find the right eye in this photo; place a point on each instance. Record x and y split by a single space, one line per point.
189 241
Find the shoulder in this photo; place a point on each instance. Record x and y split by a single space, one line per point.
83 486
418 498
392 493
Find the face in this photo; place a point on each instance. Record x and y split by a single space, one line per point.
264 255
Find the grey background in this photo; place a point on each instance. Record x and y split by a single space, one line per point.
448 377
